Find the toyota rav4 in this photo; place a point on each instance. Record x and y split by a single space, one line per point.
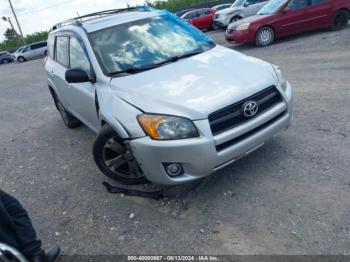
168 105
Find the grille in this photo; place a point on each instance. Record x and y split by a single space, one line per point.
231 116
248 134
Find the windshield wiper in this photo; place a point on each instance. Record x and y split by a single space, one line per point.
134 70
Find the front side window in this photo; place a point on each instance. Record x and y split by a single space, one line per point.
78 57
297 4
271 7
62 50
26 49
147 42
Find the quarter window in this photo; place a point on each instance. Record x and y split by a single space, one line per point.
78 57
62 50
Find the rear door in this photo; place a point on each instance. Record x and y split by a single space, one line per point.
58 70
319 14
205 19
192 18
293 19
36 50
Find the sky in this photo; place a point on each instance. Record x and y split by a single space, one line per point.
38 15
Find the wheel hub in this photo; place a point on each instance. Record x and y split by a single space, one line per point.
119 160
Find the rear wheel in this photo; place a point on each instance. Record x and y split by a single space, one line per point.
115 159
265 36
340 20
21 59
69 120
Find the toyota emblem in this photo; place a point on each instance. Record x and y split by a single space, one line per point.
250 108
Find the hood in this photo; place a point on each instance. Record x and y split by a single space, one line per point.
228 10
197 86
249 19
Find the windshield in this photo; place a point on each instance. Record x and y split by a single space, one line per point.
147 42
271 7
238 3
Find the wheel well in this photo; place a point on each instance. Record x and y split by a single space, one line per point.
270 26
345 9
236 15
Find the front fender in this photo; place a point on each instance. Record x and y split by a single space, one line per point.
120 115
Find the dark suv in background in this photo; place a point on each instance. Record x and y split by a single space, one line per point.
5 57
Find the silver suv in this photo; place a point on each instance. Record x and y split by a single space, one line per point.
238 10
168 104
31 51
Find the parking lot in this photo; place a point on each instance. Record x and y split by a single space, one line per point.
292 196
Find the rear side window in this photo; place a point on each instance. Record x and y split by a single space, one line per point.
61 55
204 12
315 2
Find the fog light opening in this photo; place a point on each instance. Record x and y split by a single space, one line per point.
173 169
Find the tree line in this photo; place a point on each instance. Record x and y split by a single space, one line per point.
13 40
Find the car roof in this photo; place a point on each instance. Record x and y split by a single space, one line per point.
117 19
109 18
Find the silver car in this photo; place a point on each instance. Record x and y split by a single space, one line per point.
168 105
238 10
31 51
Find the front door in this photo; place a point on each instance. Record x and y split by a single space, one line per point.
82 95
294 18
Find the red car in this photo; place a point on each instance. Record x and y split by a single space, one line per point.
200 18
285 17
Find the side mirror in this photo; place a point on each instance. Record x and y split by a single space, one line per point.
246 4
76 75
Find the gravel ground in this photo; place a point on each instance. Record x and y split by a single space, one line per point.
290 197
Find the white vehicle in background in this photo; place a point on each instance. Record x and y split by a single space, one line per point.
31 51
221 7
238 10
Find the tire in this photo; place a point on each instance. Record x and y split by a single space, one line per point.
339 20
21 59
235 18
265 36
115 160
5 61
68 119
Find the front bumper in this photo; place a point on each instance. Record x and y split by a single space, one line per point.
239 37
221 22
199 156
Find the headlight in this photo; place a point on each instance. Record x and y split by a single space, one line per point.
162 127
280 77
242 27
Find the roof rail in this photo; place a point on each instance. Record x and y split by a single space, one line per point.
75 21
65 23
